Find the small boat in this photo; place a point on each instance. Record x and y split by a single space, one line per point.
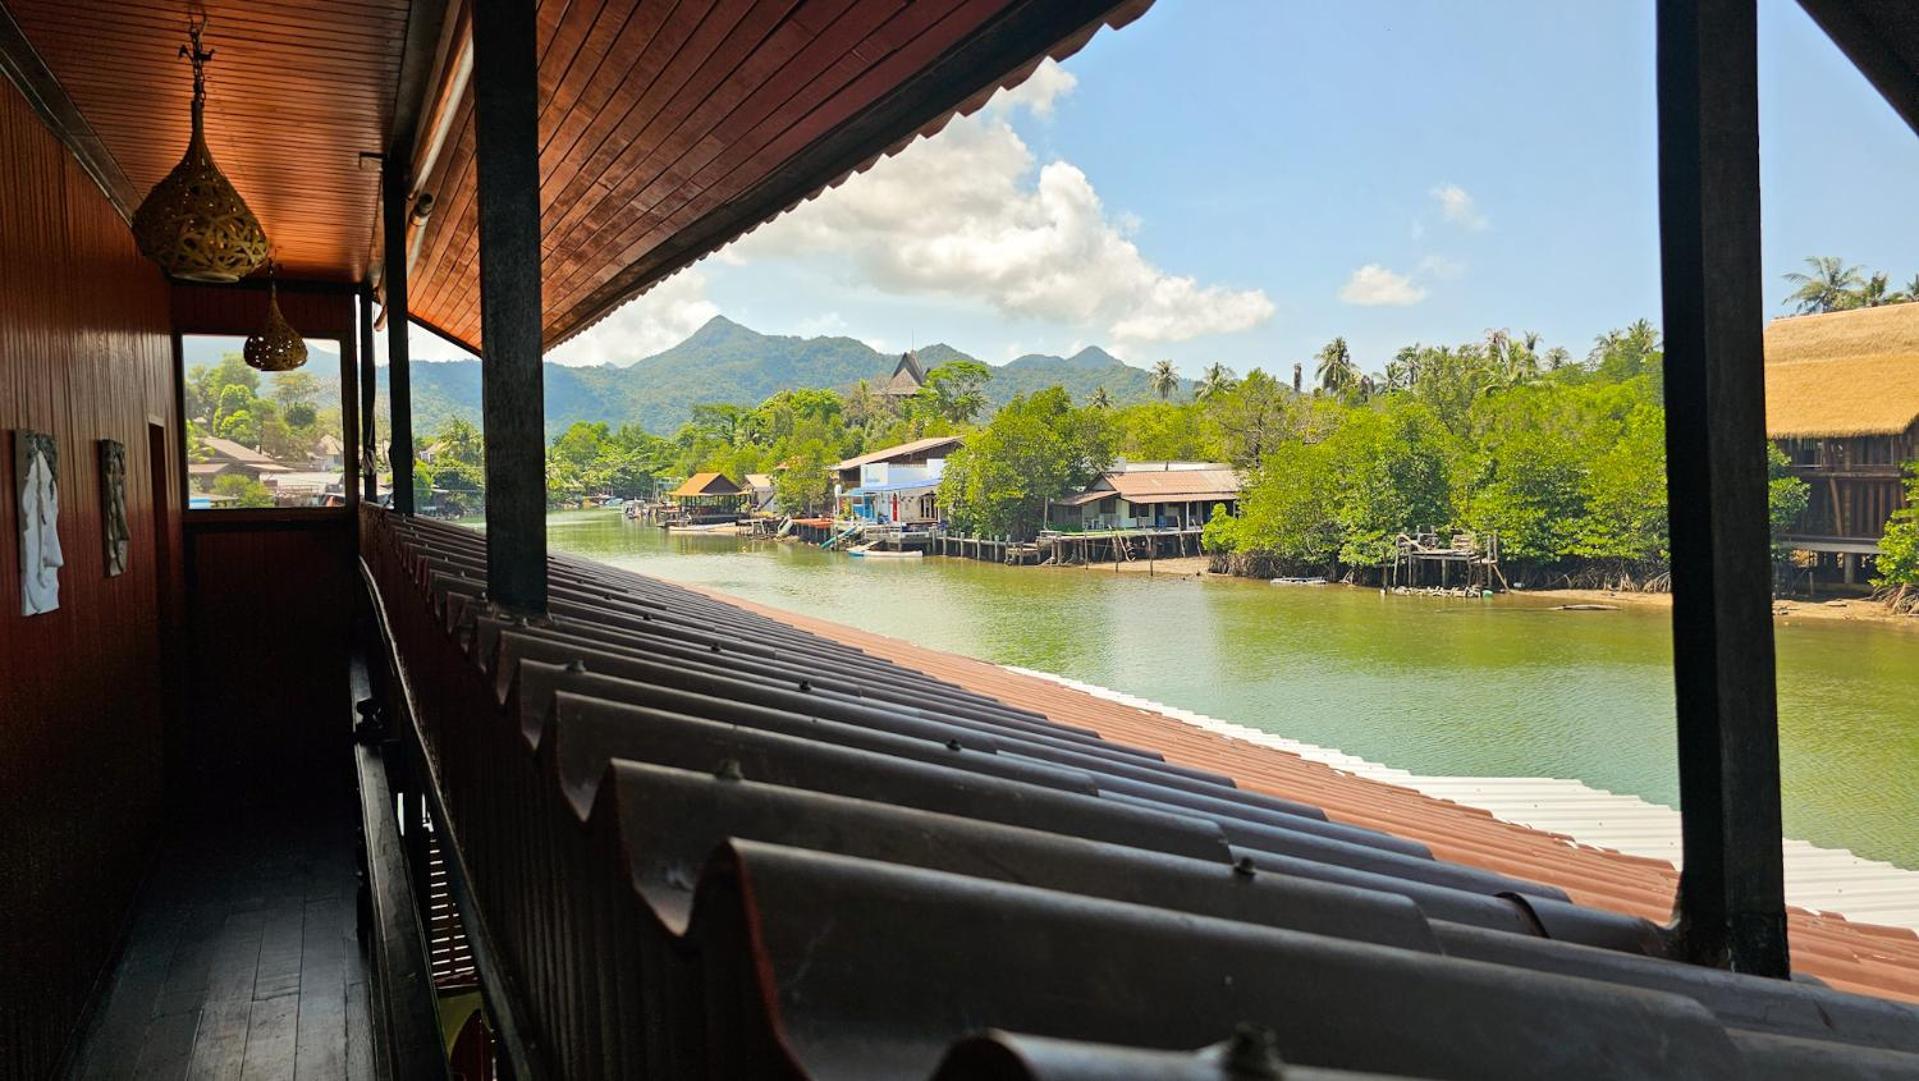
1299 581
870 552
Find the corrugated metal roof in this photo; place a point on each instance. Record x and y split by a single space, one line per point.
903 450
1161 486
705 484
711 843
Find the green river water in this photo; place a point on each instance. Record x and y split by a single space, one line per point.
1473 688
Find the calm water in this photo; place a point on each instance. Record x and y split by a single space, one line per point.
1504 688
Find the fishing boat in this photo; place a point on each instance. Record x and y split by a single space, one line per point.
869 551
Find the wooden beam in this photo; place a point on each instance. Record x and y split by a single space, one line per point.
1881 38
1731 904
399 383
506 106
369 388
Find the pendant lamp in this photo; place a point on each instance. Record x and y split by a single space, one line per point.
275 347
193 223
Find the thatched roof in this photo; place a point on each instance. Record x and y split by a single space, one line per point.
1843 374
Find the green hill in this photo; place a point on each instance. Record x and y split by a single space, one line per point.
726 362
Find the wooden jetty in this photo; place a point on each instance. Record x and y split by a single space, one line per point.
1423 561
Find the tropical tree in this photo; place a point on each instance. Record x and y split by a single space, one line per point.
1100 399
1216 379
954 391
1036 449
1910 293
1164 379
1336 372
1876 291
1830 286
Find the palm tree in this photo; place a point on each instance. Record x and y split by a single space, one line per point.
1336 372
1217 379
1829 288
1101 399
1164 379
1557 358
1875 292
1911 292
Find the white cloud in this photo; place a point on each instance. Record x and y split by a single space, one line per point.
1374 286
1440 268
658 320
1048 83
826 323
967 215
1458 207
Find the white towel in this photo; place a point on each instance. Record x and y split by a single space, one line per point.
40 556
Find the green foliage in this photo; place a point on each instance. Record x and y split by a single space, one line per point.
1898 561
242 491
954 391
1035 449
1786 497
1830 284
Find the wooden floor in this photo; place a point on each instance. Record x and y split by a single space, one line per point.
242 961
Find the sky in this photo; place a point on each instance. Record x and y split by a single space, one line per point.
1237 181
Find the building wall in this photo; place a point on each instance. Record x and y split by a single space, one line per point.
85 354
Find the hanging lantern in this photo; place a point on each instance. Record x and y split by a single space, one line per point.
276 347
193 223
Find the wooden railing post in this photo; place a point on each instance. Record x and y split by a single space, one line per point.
507 153
1731 904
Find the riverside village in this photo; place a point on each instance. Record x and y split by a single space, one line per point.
1029 540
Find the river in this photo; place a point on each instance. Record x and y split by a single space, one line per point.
1472 688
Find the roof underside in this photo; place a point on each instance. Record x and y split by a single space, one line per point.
295 92
669 130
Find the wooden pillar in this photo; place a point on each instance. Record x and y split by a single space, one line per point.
507 154
398 385
369 389
1731 905
350 414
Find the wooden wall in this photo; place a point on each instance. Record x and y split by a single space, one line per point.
85 354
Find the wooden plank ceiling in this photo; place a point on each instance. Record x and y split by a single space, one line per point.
295 92
668 129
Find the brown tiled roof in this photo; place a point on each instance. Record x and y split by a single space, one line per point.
797 856
1856 957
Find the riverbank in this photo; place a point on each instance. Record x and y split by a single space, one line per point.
1847 610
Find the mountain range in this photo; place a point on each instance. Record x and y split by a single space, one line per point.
726 362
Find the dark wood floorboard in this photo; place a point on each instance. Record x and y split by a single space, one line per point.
243 960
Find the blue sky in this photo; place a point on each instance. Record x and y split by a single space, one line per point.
1240 180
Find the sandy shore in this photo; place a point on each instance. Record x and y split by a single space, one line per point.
1174 567
1858 610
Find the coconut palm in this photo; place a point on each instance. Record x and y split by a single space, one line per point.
1911 292
1557 358
1217 379
1164 379
1875 292
1830 287
1336 371
1100 399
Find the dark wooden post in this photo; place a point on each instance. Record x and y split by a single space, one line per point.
350 395
369 387
507 154
1731 905
399 385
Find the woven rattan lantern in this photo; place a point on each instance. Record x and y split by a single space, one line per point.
276 347
193 223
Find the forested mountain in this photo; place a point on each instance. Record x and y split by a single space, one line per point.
726 362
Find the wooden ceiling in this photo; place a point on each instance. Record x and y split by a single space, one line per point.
294 93
669 129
